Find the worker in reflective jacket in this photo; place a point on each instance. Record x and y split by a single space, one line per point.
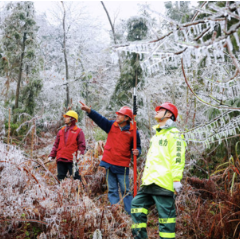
117 152
70 139
161 177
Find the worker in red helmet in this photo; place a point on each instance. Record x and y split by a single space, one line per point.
161 177
117 152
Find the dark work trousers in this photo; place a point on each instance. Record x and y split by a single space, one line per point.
64 167
166 212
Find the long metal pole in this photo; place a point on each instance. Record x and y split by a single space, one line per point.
134 142
135 134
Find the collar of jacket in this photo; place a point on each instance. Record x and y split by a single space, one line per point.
74 128
125 128
168 125
163 130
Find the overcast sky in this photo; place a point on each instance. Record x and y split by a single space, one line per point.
121 9
117 10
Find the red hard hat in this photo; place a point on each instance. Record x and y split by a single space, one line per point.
170 107
126 111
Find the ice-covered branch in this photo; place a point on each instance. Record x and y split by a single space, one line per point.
222 107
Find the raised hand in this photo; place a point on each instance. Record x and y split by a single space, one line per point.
85 108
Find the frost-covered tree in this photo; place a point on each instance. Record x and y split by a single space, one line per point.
19 62
136 29
179 10
19 50
187 45
89 63
67 16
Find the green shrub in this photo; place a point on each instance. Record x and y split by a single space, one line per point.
14 127
99 134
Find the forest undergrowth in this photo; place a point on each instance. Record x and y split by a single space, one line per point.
33 204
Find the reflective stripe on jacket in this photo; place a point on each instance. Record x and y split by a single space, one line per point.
165 159
66 150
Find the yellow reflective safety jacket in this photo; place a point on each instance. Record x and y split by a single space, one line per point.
165 159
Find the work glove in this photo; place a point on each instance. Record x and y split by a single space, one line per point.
50 159
177 186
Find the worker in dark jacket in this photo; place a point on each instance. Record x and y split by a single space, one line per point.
117 152
70 139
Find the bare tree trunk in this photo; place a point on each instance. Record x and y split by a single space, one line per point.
65 53
21 65
113 31
109 19
20 70
195 111
9 128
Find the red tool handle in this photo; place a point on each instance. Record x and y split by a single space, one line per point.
134 143
134 156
